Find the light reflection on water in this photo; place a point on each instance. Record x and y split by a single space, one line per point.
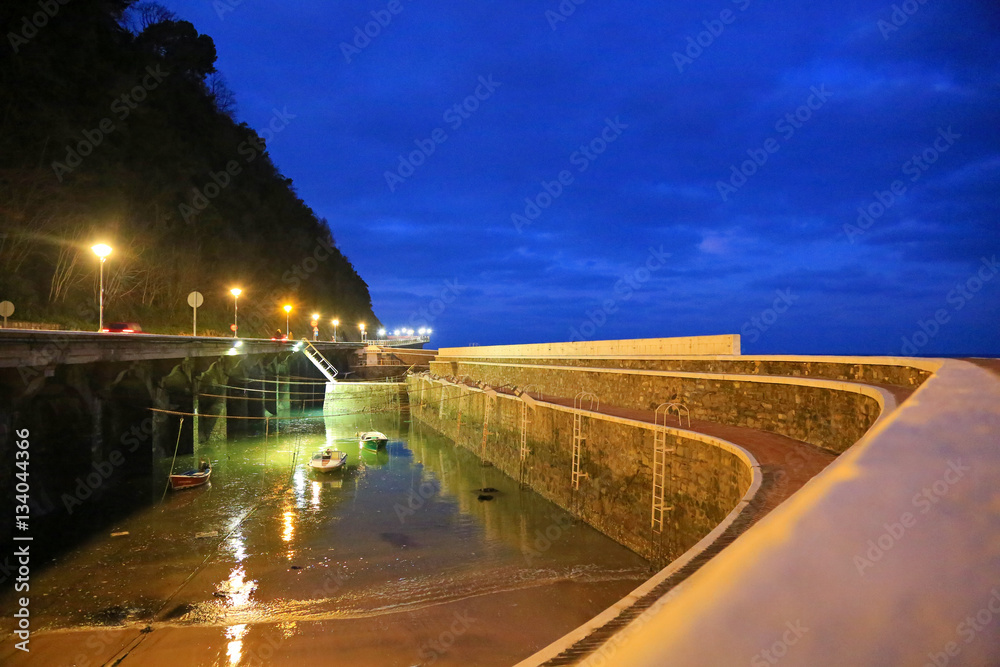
394 530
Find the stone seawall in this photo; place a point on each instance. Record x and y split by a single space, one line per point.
707 477
805 409
903 373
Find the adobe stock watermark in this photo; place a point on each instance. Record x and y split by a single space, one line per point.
454 116
364 34
901 14
545 539
924 501
258 314
31 24
623 290
957 297
416 499
915 168
786 127
249 150
426 316
605 655
753 328
434 649
581 158
121 108
223 7
970 628
563 11
713 30
779 649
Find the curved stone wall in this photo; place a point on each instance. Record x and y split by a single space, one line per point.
615 496
829 414
889 556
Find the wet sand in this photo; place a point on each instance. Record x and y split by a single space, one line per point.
491 630
397 562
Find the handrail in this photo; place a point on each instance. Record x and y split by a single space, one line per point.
678 407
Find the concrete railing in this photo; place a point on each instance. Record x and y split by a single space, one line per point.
728 344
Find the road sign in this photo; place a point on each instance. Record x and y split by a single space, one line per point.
195 299
6 310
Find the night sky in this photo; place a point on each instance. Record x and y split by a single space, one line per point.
819 177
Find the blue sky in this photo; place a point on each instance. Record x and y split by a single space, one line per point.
697 167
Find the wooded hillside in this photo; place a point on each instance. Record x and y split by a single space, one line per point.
115 127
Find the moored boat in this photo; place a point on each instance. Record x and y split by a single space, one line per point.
373 439
328 460
191 478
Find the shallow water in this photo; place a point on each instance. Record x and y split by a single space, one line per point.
411 537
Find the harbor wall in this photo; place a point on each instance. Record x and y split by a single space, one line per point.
829 414
707 477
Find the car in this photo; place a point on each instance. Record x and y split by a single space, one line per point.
122 327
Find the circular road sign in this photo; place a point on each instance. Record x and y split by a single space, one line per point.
195 299
6 309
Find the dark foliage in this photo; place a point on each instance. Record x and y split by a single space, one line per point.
115 127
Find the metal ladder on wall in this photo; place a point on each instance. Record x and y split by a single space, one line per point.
522 473
458 422
579 436
662 470
487 409
680 409
319 361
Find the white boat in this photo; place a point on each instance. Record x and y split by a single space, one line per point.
328 460
373 439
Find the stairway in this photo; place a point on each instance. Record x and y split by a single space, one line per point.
324 366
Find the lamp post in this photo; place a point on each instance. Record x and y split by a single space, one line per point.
314 323
236 291
362 327
101 250
288 309
335 323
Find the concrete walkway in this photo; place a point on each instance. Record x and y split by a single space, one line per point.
890 556
787 465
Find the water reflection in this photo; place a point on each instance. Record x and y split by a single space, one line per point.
234 650
401 530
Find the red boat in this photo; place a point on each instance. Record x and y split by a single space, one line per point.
191 478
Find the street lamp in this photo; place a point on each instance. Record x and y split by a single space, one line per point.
335 323
381 333
288 309
101 250
362 327
314 323
236 291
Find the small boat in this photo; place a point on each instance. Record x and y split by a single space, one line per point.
373 439
191 478
328 460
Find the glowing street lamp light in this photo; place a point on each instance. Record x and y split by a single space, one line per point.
362 327
236 291
335 322
288 309
101 250
381 333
